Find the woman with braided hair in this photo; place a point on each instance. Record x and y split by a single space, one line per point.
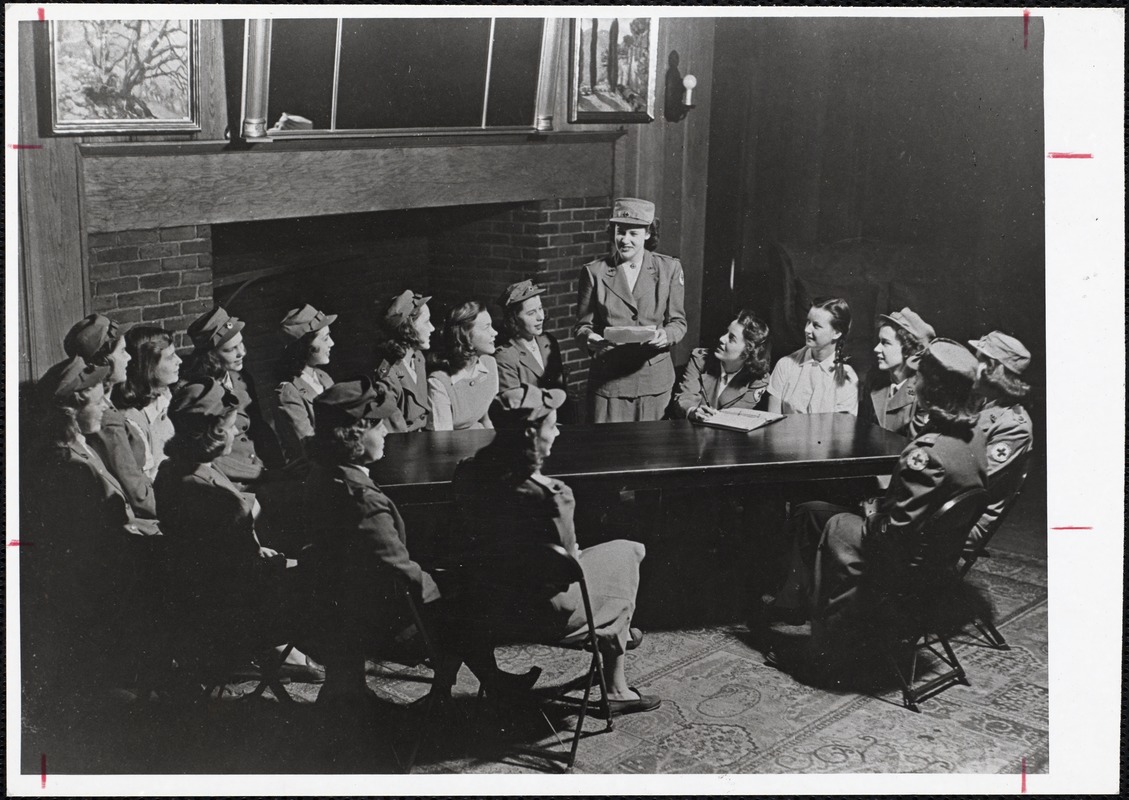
816 378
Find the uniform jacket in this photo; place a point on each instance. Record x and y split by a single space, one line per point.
411 396
898 413
517 366
122 451
1008 437
294 415
357 537
658 299
256 448
210 526
933 469
699 386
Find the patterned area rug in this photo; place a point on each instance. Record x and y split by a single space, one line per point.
724 711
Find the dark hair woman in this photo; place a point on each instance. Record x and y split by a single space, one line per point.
308 344
219 353
733 375
816 378
530 355
504 502
83 583
466 376
153 370
889 397
878 547
224 580
359 545
404 334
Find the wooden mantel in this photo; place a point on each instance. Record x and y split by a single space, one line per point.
132 186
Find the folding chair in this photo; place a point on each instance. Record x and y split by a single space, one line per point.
530 569
908 618
1004 488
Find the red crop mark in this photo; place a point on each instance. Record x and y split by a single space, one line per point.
42 770
26 146
18 543
42 14
1053 154
1026 22
1072 528
1023 776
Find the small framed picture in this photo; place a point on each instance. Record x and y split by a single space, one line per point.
612 73
119 76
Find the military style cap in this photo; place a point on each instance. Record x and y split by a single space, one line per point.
89 336
307 319
200 398
515 407
911 322
404 306
70 376
213 329
633 211
1008 350
348 402
954 357
519 292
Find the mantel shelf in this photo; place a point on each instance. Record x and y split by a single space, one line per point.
357 142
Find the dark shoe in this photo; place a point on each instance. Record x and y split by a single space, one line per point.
309 672
636 638
503 682
646 702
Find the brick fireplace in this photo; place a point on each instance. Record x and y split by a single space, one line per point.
343 263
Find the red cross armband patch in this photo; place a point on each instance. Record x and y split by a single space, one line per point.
1000 452
917 460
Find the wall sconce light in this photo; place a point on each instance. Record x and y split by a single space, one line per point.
679 91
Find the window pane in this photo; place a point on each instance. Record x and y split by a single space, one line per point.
301 70
514 71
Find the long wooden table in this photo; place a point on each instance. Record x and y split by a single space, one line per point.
418 467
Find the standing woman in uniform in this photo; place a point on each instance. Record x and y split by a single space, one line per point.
632 287
404 336
466 378
308 343
816 379
1006 425
889 399
218 354
154 369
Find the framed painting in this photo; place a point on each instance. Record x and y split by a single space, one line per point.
120 76
612 73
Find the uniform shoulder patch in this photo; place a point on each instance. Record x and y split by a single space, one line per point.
928 438
917 460
999 452
681 278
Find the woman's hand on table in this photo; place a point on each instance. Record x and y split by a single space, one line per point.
702 412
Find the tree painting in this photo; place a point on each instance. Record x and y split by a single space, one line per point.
122 70
613 60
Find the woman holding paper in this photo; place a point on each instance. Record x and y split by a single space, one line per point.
733 375
621 297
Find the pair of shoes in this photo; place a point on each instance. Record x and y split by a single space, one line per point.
636 638
310 672
646 702
503 682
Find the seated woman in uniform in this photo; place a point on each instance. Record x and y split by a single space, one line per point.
732 375
88 579
153 370
219 354
308 344
466 376
816 379
220 570
889 398
529 355
404 334
838 551
98 340
1005 424
504 501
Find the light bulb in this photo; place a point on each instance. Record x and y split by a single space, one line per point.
689 82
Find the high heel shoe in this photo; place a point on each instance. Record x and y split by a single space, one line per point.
501 682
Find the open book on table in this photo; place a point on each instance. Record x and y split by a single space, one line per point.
740 419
